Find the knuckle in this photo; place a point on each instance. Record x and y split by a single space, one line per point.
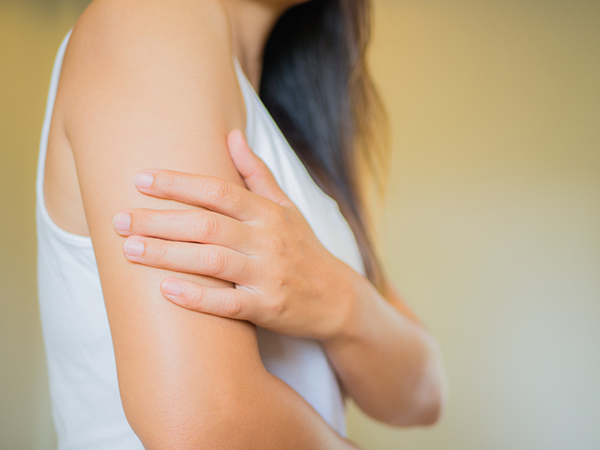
223 193
217 191
205 226
195 299
158 252
168 183
276 308
277 216
214 262
280 279
144 222
233 307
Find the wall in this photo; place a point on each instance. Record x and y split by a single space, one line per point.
493 213
490 228
30 33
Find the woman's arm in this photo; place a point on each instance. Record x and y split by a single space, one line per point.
152 84
387 361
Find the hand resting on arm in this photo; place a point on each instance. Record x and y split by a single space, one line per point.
286 282
149 85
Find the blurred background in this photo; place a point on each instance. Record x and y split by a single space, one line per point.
491 225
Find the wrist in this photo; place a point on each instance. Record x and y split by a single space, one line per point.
349 297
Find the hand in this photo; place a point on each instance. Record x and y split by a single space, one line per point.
286 281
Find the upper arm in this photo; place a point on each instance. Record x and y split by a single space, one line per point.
153 86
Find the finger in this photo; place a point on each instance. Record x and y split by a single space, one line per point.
213 193
225 302
201 259
202 226
253 170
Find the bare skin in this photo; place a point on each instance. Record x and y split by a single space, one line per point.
129 86
286 282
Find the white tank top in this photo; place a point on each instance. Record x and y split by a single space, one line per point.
86 405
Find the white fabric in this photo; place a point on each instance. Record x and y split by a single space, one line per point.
86 405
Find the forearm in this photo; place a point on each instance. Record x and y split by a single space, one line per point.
388 363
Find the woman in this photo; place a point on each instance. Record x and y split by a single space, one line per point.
138 156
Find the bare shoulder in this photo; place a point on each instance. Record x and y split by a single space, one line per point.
153 43
147 84
152 79
153 22
152 25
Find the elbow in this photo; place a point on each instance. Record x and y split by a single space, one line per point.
431 394
432 404
426 403
425 407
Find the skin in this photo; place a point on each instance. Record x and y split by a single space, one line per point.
286 282
148 85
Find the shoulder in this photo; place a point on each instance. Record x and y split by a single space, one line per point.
151 27
132 59
148 84
151 46
111 21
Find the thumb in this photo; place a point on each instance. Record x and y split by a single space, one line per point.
253 170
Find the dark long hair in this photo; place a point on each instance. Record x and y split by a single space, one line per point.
316 86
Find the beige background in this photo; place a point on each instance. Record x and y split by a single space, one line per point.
492 220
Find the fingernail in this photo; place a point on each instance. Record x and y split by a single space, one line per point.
122 221
134 247
171 288
144 180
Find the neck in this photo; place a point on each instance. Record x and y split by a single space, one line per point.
251 24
